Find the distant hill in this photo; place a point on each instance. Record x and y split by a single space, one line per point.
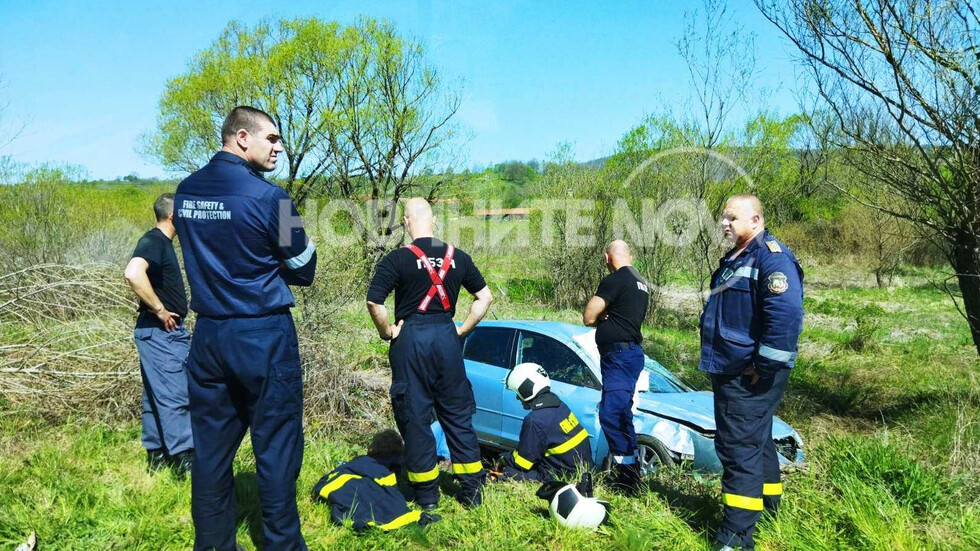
597 163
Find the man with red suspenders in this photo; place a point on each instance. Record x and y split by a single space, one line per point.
427 372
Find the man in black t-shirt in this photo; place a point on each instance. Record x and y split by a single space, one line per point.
162 343
426 358
617 310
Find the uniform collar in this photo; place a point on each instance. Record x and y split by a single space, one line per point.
228 157
546 399
428 241
754 244
390 462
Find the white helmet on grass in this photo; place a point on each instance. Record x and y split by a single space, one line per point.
527 380
569 508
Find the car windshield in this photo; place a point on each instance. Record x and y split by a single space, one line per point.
661 379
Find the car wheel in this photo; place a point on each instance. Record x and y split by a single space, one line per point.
652 455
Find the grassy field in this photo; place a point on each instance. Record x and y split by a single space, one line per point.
885 394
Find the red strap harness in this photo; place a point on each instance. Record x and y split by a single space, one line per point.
438 278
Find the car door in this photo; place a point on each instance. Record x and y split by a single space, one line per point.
571 380
487 354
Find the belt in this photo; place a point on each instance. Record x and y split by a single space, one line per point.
613 347
277 312
438 317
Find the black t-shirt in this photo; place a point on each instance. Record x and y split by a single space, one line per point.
627 295
404 272
164 271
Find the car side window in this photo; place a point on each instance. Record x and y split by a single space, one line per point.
489 345
558 360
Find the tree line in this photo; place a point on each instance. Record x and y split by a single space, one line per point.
888 123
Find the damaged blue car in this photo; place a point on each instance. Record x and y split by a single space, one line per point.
673 422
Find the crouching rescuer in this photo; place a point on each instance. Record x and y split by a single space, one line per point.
365 491
427 373
553 445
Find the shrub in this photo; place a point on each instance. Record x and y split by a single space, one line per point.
867 335
522 289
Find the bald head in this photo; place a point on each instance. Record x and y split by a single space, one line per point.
418 217
746 202
618 248
618 255
742 219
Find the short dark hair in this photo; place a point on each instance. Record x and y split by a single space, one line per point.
241 117
385 443
163 207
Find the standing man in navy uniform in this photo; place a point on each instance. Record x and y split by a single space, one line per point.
749 333
162 342
426 358
617 311
244 244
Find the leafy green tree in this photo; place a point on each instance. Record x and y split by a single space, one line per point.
361 112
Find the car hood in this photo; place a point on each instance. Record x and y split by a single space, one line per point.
695 410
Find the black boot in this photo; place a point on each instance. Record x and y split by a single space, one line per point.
627 479
427 518
770 506
470 499
182 463
470 493
155 460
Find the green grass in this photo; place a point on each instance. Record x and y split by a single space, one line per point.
83 486
886 395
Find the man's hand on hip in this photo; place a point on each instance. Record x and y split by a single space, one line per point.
169 320
394 330
751 372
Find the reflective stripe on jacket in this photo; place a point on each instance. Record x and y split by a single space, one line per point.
755 312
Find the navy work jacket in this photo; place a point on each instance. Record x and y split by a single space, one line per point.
552 441
754 315
242 239
365 492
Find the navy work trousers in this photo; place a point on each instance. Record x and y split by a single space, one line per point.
621 364
750 482
427 374
245 373
166 414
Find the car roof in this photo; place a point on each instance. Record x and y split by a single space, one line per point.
563 331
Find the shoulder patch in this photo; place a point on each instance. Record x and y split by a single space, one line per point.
774 247
778 283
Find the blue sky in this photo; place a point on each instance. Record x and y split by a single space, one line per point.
84 78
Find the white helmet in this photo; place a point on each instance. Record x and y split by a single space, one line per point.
568 507
527 380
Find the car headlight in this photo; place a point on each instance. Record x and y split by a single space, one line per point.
786 447
676 438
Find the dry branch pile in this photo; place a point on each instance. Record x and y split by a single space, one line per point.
66 349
